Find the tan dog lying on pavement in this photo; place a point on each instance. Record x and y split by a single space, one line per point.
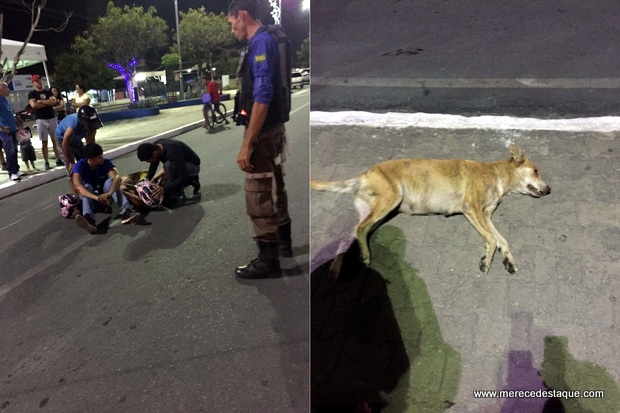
435 186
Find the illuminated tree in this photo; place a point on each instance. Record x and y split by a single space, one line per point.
122 36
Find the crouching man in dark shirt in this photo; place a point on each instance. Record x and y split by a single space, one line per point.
181 168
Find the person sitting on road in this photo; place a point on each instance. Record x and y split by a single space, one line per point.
213 89
129 185
98 183
181 168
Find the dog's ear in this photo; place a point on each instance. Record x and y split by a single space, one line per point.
517 153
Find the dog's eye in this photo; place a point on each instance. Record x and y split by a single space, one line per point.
536 171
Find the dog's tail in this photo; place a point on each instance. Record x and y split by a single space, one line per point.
343 187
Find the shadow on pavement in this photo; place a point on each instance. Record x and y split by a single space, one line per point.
288 298
562 372
522 375
164 235
375 336
213 192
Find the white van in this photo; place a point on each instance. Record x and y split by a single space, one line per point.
297 80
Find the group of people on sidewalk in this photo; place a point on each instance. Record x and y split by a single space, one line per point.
264 107
49 109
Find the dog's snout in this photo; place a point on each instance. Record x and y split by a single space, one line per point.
546 190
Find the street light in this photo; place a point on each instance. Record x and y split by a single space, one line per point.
176 14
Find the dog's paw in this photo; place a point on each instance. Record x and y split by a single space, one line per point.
483 265
510 267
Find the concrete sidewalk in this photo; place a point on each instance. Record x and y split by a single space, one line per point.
422 328
117 138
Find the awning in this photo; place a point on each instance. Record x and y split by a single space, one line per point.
32 55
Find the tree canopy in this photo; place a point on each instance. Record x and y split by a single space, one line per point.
205 37
124 35
74 68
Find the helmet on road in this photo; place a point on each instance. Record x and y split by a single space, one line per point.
145 190
70 205
88 118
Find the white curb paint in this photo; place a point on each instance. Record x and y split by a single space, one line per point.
603 124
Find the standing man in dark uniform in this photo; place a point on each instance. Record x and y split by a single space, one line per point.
264 107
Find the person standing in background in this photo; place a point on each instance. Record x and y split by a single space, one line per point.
60 109
81 98
8 127
42 101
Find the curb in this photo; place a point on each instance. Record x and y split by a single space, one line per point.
12 188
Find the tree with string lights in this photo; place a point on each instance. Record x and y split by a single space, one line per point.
121 37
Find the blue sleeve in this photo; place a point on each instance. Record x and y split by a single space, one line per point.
264 61
73 123
263 90
70 121
78 168
107 164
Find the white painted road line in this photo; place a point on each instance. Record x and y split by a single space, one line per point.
521 83
602 124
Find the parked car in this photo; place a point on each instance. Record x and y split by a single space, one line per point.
305 74
297 80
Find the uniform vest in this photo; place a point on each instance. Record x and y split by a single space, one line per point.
280 105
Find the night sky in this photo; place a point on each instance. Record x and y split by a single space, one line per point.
85 12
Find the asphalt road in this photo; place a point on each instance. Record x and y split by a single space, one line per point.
509 58
149 317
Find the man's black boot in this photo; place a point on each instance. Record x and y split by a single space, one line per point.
267 265
174 200
284 240
195 182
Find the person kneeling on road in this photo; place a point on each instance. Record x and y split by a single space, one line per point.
98 183
70 132
75 127
181 168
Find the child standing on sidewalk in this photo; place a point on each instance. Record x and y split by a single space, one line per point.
23 136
